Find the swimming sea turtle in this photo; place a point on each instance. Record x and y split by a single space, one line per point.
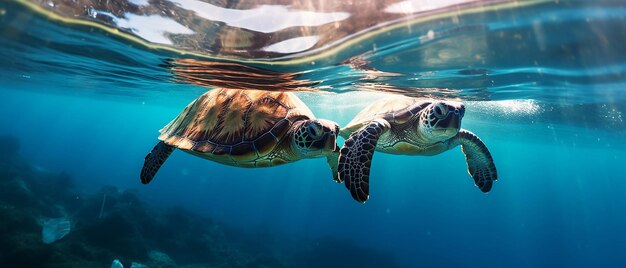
409 126
246 128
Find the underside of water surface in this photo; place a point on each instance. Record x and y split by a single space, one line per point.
86 86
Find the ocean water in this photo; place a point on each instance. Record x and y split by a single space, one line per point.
85 87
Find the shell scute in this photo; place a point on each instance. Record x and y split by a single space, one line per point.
222 150
264 115
280 128
203 147
265 142
244 148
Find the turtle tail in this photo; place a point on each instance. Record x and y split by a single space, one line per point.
154 160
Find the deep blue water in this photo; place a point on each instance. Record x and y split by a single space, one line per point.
548 99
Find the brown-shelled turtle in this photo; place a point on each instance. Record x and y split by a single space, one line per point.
246 128
409 126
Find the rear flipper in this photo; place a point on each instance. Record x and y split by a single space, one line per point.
355 158
154 160
479 161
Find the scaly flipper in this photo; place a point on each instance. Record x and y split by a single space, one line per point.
479 162
355 158
332 160
154 160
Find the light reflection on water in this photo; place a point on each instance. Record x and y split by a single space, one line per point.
514 55
247 28
261 18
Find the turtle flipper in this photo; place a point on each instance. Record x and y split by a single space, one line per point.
332 160
154 160
355 158
479 161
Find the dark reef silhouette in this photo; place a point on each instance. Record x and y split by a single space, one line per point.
116 224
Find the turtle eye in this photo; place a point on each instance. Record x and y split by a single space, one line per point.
315 129
440 110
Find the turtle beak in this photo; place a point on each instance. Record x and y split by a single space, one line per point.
328 142
331 138
332 130
455 122
335 135
331 142
452 121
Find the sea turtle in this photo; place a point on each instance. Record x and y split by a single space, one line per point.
246 128
409 126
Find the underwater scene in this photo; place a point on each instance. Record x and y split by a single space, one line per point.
298 133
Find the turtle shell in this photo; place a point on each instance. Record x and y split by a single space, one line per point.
232 125
394 109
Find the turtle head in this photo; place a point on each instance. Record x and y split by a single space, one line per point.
316 137
441 120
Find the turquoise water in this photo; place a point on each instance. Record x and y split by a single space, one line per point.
543 87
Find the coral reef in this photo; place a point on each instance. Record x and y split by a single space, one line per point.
116 224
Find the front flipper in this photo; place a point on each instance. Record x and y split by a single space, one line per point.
355 158
479 162
332 160
154 160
